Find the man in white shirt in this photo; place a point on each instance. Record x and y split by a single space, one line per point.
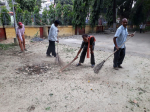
52 37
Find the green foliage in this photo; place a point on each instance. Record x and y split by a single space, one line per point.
124 10
44 17
27 18
27 4
108 7
5 17
67 14
37 17
19 15
63 2
6 46
140 12
95 13
58 11
80 9
51 14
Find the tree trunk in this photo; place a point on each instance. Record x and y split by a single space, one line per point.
114 15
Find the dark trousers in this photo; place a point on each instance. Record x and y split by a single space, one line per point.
51 48
83 54
119 56
140 30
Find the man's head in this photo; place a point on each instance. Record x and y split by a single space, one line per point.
56 23
124 22
85 37
20 24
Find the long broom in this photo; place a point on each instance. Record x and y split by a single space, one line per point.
58 60
98 67
67 65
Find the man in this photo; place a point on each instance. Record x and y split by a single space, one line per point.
52 37
20 35
88 43
119 38
141 28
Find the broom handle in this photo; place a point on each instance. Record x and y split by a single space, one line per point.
67 65
119 47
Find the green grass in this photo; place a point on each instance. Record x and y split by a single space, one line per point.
6 46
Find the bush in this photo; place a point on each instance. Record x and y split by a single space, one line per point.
5 17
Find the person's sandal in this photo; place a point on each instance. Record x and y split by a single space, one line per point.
25 49
78 64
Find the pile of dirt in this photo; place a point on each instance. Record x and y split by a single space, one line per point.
34 69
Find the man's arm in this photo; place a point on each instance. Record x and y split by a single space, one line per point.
114 39
78 53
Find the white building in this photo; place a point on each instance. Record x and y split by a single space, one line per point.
6 4
46 4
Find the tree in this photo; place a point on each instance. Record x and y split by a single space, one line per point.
67 14
108 7
37 18
27 18
63 2
19 15
80 9
58 11
45 17
5 17
51 14
27 4
95 12
124 10
141 12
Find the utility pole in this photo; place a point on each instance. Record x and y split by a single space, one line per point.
15 25
114 15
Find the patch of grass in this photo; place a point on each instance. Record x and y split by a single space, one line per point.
6 46
48 108
70 50
140 93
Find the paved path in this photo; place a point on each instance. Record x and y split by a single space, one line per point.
139 45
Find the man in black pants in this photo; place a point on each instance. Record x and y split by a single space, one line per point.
119 38
52 37
88 43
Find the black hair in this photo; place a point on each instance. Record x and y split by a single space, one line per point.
57 22
84 35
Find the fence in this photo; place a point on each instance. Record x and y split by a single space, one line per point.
34 19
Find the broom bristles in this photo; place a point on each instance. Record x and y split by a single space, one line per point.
98 67
58 60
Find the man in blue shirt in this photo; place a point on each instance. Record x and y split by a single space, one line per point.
119 38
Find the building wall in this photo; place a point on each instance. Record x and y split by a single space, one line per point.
42 31
66 31
29 32
46 5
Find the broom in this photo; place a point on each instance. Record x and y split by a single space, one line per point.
67 65
100 65
58 60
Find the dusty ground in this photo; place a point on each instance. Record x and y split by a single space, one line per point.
77 89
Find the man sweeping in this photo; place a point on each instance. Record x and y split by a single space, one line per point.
20 36
87 44
52 37
119 38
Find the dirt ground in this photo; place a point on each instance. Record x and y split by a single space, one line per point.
77 89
